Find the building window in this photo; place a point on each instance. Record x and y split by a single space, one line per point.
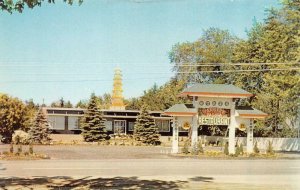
57 122
163 125
119 126
130 126
108 125
73 122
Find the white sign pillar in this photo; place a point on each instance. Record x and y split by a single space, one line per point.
195 123
232 125
250 137
175 148
195 130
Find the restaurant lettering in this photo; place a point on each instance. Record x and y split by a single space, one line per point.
209 120
214 116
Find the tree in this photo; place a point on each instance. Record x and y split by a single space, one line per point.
11 5
13 116
159 98
93 126
39 132
277 92
145 129
82 104
214 46
61 103
68 104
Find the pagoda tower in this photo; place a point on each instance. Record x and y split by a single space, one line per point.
117 97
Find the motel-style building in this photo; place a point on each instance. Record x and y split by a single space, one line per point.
67 120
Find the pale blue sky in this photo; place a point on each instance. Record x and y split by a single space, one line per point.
58 51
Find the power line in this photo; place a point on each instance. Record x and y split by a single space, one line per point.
71 81
142 64
231 64
232 71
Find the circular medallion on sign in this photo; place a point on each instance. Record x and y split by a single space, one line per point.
214 103
226 103
242 127
201 103
186 125
220 103
207 103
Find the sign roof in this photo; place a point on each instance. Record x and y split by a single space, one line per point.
215 90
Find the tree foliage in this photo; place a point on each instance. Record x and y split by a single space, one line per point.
39 131
61 103
145 129
158 98
276 86
215 46
93 126
19 5
14 115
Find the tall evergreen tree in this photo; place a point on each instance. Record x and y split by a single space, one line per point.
145 129
93 127
39 132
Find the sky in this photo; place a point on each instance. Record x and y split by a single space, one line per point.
58 50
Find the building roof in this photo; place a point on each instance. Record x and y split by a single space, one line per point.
215 90
181 110
250 112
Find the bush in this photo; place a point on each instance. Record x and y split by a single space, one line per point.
30 149
185 149
241 149
200 148
270 148
226 151
237 151
19 151
11 148
195 149
20 137
255 149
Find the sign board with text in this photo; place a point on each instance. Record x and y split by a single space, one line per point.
214 116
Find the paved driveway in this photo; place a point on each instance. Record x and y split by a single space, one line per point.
152 174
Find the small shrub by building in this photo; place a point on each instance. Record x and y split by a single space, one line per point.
185 149
241 149
226 151
20 137
269 148
255 149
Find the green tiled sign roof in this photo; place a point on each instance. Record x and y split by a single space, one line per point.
215 89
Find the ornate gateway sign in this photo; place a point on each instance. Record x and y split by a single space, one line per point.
214 116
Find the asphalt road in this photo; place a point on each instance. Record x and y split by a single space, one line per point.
189 173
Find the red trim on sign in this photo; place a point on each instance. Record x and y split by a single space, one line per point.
253 115
180 113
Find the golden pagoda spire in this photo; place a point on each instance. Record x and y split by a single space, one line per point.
117 97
